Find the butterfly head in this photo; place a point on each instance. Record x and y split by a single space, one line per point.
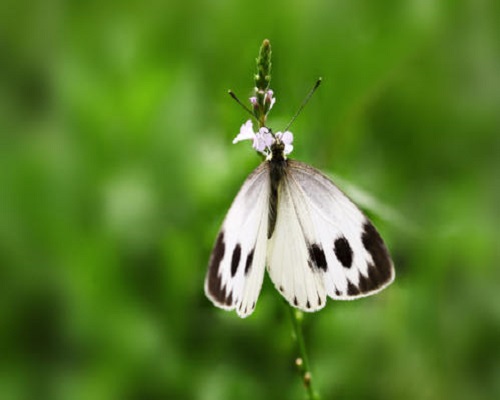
277 151
281 147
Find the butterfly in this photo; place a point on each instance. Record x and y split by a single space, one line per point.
292 219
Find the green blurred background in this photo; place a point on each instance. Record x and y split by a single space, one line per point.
116 170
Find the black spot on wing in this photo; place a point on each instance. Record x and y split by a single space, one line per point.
308 305
235 260
317 257
343 251
352 290
249 261
217 253
365 284
229 299
381 270
375 279
215 287
295 302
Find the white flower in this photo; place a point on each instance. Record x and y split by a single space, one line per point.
246 132
263 140
287 139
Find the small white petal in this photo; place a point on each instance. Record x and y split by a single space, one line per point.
273 100
288 148
267 137
246 132
258 144
287 137
263 140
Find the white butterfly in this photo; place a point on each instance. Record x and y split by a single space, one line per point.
292 218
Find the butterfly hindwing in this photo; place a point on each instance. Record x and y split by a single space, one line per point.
236 267
323 244
287 255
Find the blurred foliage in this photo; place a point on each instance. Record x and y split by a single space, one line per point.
116 169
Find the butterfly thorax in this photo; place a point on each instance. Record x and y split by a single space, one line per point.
277 167
277 151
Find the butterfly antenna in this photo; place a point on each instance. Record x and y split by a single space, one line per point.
306 100
231 93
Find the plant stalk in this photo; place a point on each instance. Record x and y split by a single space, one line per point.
302 362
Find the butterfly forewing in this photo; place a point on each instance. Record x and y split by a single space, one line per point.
323 244
236 267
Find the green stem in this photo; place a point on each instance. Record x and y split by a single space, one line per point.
303 361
